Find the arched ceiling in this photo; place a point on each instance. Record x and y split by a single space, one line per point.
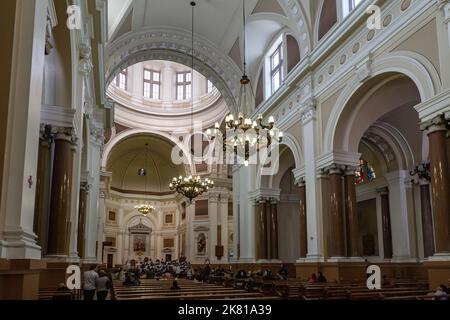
139 27
132 154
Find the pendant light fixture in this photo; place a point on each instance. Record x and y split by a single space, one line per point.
145 209
191 187
241 130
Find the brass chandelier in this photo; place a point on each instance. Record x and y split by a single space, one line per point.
242 132
191 187
145 209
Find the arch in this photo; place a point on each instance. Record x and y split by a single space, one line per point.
407 64
133 219
296 13
174 44
327 17
290 143
134 132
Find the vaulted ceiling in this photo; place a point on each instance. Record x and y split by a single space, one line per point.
132 154
219 22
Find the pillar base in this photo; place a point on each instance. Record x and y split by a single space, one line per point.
19 244
438 273
19 279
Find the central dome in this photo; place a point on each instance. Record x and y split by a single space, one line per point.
164 94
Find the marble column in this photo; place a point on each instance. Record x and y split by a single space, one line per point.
440 184
302 221
261 231
41 208
351 214
386 223
59 224
336 218
224 225
22 130
314 217
84 189
273 226
427 220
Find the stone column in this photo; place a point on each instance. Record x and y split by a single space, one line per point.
224 225
401 218
22 127
314 217
440 184
427 220
213 223
351 214
84 189
59 224
336 218
261 231
386 223
41 208
302 220
167 82
273 226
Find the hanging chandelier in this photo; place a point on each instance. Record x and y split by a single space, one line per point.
241 132
145 209
191 187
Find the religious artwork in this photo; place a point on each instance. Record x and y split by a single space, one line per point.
112 216
364 173
169 243
201 244
139 244
168 218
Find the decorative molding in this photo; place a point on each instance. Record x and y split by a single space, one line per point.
435 106
363 69
338 158
264 193
308 111
173 44
57 116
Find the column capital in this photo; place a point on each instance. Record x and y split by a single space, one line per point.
349 171
308 111
64 133
444 5
336 169
45 133
383 191
301 183
438 123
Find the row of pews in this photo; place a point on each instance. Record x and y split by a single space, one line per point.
255 289
189 290
399 290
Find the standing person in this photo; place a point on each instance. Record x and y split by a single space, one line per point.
89 285
321 278
103 285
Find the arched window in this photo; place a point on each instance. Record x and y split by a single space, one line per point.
334 11
122 79
348 6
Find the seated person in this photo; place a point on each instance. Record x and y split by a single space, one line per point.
283 273
313 279
321 278
175 286
441 293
